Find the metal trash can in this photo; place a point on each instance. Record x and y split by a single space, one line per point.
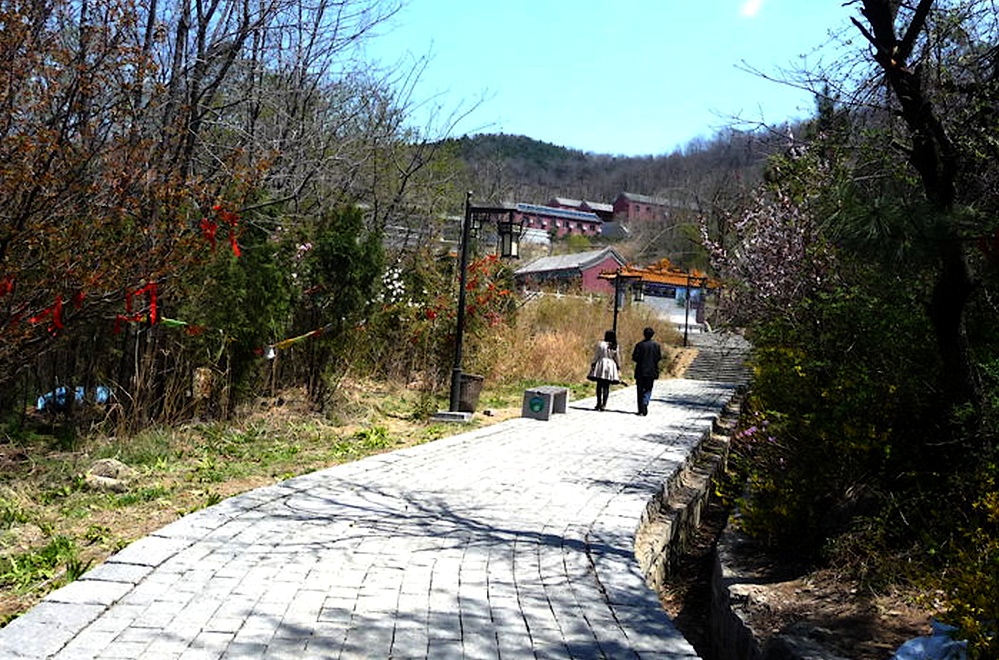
469 389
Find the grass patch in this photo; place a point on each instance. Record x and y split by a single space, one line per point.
11 513
150 448
144 494
22 570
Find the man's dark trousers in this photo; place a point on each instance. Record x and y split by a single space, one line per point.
644 388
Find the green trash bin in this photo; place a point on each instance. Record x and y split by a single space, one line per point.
469 389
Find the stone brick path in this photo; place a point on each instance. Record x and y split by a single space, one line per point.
507 542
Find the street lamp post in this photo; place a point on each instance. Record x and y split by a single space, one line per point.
508 245
459 333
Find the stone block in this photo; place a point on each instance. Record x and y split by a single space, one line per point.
542 402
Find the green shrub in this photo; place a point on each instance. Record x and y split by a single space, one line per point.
838 417
373 438
972 576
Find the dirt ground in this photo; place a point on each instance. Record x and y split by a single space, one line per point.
684 356
829 610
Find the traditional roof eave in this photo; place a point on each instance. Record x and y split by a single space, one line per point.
664 272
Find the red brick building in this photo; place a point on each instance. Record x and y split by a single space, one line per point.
571 271
603 211
632 207
559 221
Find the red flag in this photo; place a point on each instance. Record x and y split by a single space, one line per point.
150 290
210 228
232 242
55 311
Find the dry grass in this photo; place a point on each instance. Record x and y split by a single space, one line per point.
553 339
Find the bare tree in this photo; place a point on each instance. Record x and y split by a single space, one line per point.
125 123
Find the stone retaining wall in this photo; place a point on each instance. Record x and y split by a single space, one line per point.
731 637
732 596
665 532
671 521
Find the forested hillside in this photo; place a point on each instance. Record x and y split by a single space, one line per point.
517 168
706 179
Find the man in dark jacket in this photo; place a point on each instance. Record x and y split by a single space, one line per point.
646 356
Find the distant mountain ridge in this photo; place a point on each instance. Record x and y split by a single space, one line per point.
520 168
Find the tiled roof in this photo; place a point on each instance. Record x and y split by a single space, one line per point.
565 201
598 206
658 201
552 212
643 199
562 262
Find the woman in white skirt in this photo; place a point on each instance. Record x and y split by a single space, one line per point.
606 367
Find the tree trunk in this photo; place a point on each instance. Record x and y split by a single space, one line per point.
951 291
933 155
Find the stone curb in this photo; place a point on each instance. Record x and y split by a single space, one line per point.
672 518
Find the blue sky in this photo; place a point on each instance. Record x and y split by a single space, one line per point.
631 77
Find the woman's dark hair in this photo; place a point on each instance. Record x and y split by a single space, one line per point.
611 338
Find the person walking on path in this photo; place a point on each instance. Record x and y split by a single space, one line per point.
646 356
606 367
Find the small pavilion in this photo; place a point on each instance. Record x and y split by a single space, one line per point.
661 282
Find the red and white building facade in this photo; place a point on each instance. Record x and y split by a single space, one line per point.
559 221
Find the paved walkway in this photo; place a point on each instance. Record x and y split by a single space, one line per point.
507 542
